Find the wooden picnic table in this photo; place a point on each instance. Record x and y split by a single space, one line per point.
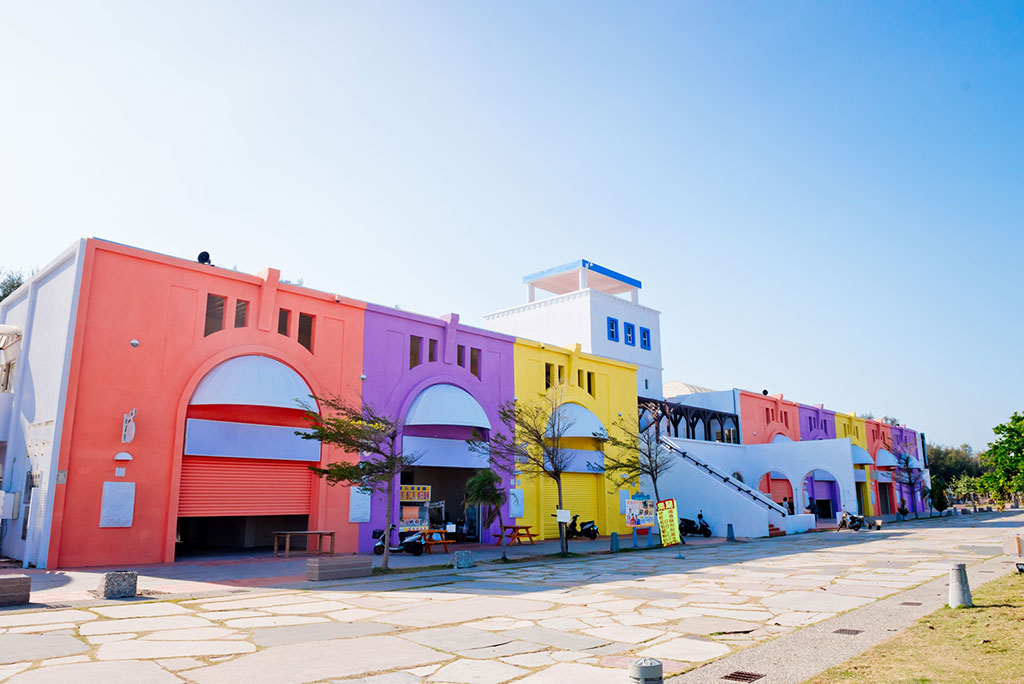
435 538
516 534
319 534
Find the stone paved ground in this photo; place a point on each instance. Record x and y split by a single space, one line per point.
573 621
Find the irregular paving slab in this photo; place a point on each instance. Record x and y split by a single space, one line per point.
45 618
685 649
175 664
628 634
19 647
142 610
551 637
98 673
152 624
815 601
279 636
194 634
275 621
316 660
231 614
455 638
390 678
476 672
311 607
143 650
576 673
10 670
713 625
428 614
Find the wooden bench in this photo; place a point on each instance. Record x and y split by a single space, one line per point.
15 590
319 534
435 538
516 534
320 568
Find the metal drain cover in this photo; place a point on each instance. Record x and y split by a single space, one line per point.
911 603
741 676
851 632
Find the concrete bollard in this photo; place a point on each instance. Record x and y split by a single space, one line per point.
729 534
959 589
615 542
646 671
119 584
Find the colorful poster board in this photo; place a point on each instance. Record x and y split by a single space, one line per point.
639 513
414 492
668 521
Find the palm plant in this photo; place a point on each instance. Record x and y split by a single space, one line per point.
484 489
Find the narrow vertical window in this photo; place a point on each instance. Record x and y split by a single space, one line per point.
629 334
613 329
415 348
214 314
432 351
579 379
474 361
561 374
283 316
645 338
591 384
241 313
306 331
549 372
460 355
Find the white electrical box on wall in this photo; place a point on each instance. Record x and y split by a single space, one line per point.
9 505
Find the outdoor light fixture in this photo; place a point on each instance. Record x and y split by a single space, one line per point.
133 344
362 377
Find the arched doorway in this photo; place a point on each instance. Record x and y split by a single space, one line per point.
244 472
821 494
776 485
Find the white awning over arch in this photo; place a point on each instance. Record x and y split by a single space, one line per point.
579 421
446 405
252 381
885 459
860 456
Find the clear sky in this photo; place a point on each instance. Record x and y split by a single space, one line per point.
823 199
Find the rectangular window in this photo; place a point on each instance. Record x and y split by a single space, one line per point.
579 379
214 314
613 329
306 331
474 361
645 339
646 385
767 415
561 374
785 418
629 334
549 375
460 355
432 351
591 384
283 315
241 313
415 345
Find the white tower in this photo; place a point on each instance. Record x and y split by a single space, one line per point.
588 307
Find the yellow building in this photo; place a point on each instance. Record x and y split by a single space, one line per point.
596 391
850 426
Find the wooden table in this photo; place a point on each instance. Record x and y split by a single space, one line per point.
516 534
435 538
319 534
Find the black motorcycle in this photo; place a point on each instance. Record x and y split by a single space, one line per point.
850 521
410 541
587 529
687 526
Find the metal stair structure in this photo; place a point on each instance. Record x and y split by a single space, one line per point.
742 488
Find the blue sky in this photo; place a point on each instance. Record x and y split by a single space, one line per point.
823 199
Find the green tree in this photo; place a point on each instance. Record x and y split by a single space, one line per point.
1004 460
9 282
533 442
359 429
952 462
484 489
636 451
939 502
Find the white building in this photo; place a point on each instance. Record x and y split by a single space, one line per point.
590 307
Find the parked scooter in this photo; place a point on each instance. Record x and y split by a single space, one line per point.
850 521
687 526
410 541
587 529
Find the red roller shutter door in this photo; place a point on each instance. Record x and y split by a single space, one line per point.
214 487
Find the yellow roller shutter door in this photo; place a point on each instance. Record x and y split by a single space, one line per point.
579 495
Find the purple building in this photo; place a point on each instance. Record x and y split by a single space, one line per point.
904 441
816 422
445 381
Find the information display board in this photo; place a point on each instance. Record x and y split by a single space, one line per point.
639 513
668 521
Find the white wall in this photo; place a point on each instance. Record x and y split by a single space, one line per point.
44 309
796 459
563 320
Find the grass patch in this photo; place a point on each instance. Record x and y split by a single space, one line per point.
406 571
982 645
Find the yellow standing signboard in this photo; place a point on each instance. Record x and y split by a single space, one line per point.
668 521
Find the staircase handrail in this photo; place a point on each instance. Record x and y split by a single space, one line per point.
743 487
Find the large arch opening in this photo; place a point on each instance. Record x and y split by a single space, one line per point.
821 494
776 485
244 472
432 494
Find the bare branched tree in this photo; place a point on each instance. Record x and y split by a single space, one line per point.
636 450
